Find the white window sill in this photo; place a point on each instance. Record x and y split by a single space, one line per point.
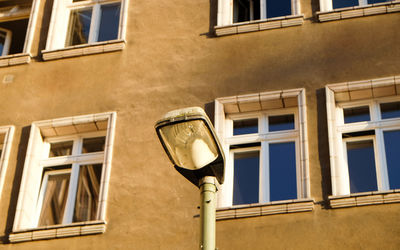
261 209
58 231
259 25
366 198
15 59
359 11
84 49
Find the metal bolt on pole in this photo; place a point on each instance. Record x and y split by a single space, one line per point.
207 213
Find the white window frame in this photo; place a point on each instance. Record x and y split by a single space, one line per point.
60 21
7 135
225 11
44 133
298 135
376 124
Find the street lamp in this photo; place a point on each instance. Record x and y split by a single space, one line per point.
191 144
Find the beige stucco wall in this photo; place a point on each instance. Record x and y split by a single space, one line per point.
171 62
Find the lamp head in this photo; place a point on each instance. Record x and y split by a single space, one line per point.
191 144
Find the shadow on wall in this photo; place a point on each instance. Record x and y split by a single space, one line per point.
16 183
323 146
44 29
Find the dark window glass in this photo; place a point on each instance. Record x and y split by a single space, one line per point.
60 148
392 149
280 122
357 114
282 167
18 30
344 3
2 41
377 1
109 23
87 194
248 126
390 110
246 10
246 177
80 27
361 161
91 145
276 8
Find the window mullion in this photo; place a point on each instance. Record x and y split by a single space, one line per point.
263 9
382 173
264 190
95 23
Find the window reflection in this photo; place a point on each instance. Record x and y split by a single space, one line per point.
248 126
87 195
80 27
392 150
109 22
344 3
276 8
390 110
60 149
280 122
282 165
91 145
356 114
246 177
361 162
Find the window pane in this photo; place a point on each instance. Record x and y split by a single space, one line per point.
60 148
357 114
80 27
245 10
362 171
246 177
280 122
282 167
93 144
344 3
54 199
248 126
87 195
276 8
390 110
109 23
392 149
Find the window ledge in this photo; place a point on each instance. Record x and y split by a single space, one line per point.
15 59
359 11
366 198
259 25
84 49
58 231
261 209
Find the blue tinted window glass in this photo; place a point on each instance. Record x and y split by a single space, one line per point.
2 41
109 22
246 177
248 126
80 27
390 110
277 8
344 3
392 150
282 167
377 1
361 161
280 122
357 114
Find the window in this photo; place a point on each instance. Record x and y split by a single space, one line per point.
6 136
328 5
236 11
66 171
265 145
17 23
85 22
364 136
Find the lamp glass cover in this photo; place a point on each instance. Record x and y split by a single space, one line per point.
190 144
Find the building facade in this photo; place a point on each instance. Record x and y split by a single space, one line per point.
304 96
